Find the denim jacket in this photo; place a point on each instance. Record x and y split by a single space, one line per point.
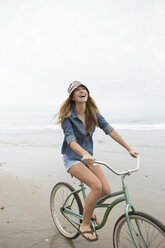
74 131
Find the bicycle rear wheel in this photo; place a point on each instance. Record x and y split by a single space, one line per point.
59 194
153 232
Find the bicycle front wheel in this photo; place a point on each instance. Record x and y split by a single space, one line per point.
152 230
59 194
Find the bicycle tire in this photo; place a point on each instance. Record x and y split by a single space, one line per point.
152 229
59 194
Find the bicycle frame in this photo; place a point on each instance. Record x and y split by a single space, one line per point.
124 196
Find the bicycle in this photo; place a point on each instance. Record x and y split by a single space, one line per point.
132 229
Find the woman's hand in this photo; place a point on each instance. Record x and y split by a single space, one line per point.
133 153
88 159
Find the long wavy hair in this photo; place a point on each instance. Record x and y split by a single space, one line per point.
68 105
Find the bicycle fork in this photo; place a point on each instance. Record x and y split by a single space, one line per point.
130 206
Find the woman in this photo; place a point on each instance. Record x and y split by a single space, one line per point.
79 116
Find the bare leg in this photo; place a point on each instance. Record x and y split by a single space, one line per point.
105 185
89 178
106 189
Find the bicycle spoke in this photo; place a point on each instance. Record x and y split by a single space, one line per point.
147 230
127 236
62 193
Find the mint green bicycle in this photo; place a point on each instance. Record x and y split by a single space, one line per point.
132 230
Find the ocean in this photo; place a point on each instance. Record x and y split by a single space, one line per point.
144 136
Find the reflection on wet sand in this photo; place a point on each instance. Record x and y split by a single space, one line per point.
61 242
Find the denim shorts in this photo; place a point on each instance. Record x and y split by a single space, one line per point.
69 162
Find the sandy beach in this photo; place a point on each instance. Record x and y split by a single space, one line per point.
23 222
27 175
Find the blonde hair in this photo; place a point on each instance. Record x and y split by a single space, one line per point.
67 107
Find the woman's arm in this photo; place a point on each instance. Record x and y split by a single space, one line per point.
78 149
114 134
87 158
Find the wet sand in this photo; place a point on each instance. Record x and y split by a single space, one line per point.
27 176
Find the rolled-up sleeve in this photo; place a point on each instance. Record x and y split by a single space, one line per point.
104 125
68 131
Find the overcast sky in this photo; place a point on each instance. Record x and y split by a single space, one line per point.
116 48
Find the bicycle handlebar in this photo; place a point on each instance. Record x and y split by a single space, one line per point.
127 172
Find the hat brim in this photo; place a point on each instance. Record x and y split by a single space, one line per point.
77 87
